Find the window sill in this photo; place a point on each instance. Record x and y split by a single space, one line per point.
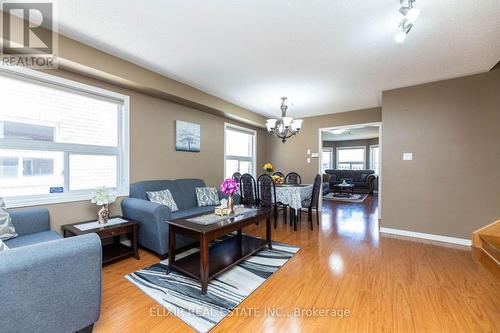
51 199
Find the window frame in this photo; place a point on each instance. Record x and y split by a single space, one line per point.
122 151
337 149
252 159
330 151
371 158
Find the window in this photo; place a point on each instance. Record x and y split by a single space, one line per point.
239 150
327 159
375 159
59 139
351 158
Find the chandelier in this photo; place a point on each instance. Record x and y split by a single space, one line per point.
285 127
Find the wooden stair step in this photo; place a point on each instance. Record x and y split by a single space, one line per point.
491 245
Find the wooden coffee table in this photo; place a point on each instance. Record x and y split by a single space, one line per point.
345 190
210 262
113 249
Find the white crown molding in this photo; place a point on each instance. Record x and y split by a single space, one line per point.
438 238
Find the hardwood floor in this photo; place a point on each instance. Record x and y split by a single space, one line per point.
383 284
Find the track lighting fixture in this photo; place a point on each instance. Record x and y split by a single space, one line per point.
410 14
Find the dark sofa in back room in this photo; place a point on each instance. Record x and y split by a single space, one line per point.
363 180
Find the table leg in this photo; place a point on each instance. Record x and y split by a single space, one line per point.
294 220
204 268
134 243
268 233
171 248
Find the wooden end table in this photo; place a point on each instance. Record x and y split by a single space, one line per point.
222 255
115 249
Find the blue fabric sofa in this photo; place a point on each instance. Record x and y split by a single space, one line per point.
153 231
48 283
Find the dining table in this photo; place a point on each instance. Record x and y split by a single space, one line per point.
292 195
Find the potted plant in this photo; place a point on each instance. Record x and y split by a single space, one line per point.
269 168
102 197
229 187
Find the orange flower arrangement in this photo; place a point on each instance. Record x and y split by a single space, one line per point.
277 179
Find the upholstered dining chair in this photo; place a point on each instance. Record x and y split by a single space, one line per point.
313 202
293 178
282 204
248 190
267 194
236 176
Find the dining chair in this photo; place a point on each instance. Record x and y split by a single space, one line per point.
313 202
248 188
282 204
267 194
236 176
293 178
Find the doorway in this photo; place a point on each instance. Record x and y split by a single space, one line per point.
351 165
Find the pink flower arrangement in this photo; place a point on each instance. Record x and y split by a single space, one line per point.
229 186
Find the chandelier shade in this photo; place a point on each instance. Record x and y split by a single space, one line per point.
285 127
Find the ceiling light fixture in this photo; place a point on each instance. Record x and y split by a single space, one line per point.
410 16
408 10
285 127
404 28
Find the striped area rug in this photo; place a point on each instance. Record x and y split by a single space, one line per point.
181 295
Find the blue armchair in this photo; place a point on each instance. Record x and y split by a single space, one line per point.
49 284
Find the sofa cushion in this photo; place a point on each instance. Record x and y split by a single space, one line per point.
185 196
164 198
182 190
39 237
192 211
139 190
207 196
7 230
3 246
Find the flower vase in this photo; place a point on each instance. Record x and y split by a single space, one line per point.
103 214
230 205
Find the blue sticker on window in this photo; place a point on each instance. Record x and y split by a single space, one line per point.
56 190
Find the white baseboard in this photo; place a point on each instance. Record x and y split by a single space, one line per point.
438 238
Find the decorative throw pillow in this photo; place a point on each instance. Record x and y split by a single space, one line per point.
7 230
163 198
207 196
3 246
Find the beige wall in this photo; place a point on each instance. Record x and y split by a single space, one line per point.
452 186
152 147
79 58
292 155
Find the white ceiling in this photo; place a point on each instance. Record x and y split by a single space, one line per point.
326 56
355 133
